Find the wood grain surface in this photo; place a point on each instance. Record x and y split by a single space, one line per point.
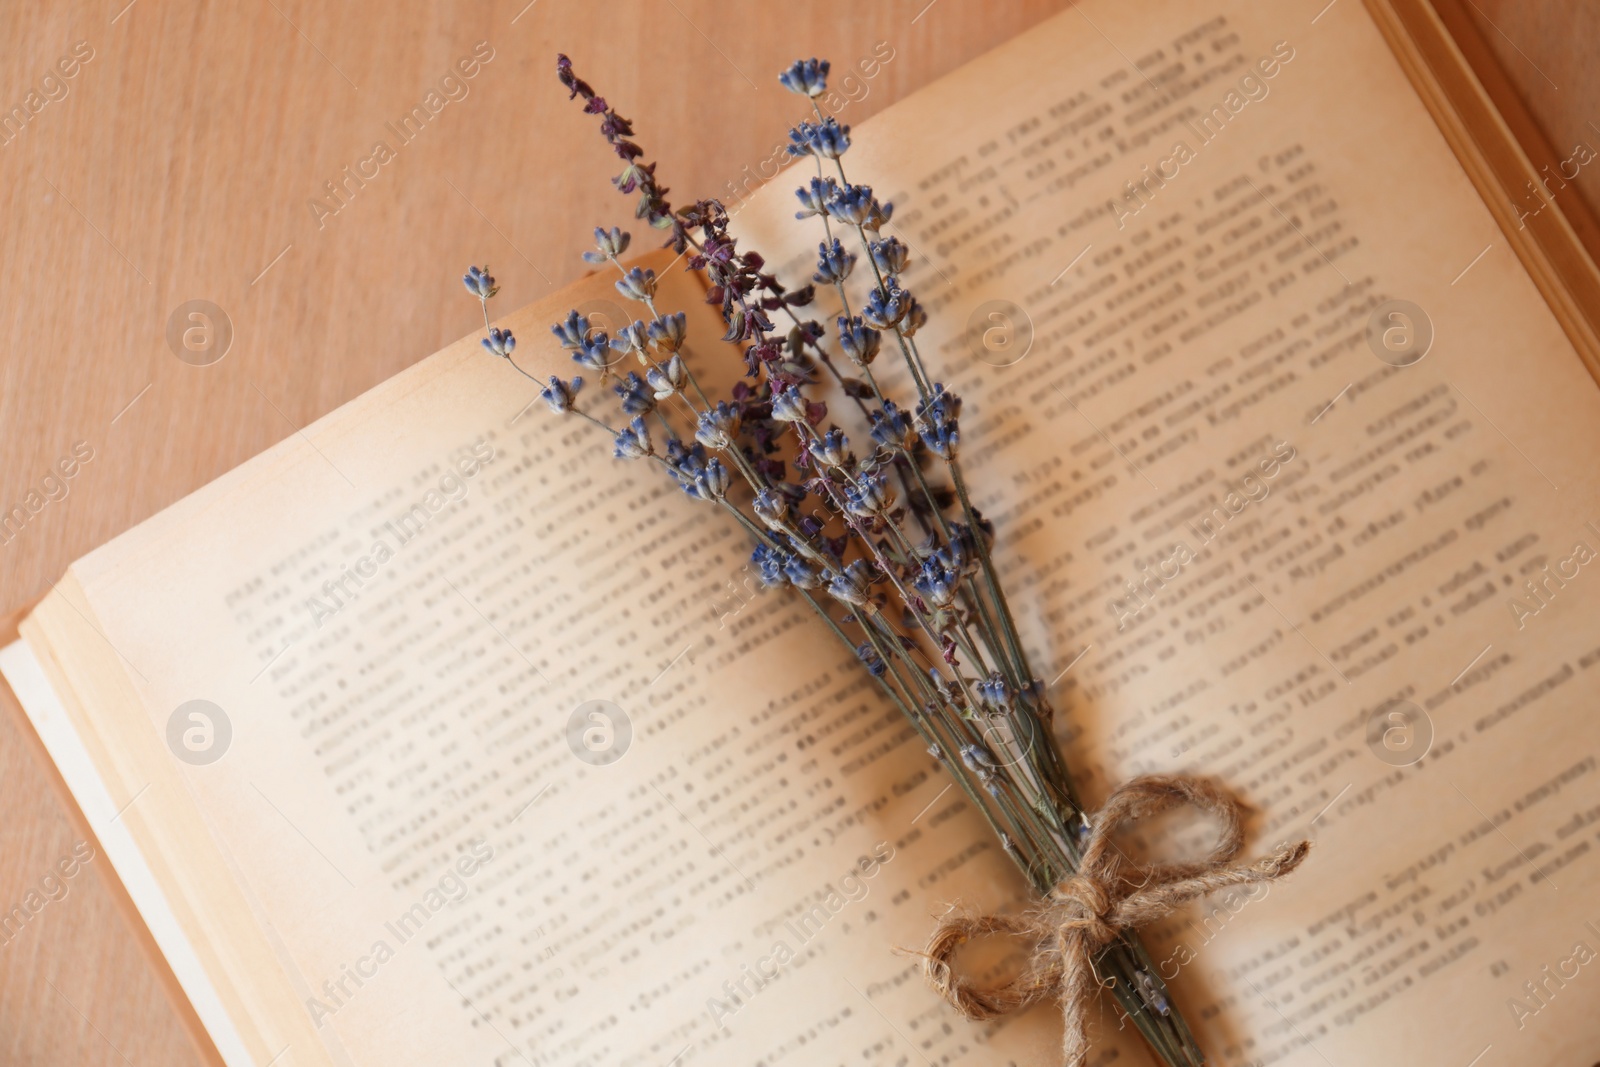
179 162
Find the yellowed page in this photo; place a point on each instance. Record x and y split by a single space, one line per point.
1151 238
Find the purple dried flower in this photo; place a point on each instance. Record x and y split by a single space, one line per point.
668 378
668 331
718 426
993 692
790 407
815 196
500 342
594 353
479 282
634 441
830 449
826 139
571 331
834 264
637 397
631 338
871 660
979 761
859 341
708 481
855 205
890 254
807 77
915 317
853 584
936 583
893 427
609 244
869 495
772 508
885 307
937 421
769 566
801 572
638 284
559 394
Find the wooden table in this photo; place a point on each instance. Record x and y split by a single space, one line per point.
179 162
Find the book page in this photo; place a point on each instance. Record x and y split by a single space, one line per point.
504 757
1293 476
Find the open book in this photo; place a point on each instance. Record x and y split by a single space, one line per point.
435 735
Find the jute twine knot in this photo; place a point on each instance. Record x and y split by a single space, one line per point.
1107 896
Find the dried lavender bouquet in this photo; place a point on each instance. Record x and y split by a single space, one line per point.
880 538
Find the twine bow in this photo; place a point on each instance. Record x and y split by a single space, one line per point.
1109 895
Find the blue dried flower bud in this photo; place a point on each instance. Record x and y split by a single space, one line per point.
638 284
834 264
710 482
559 394
571 331
826 139
937 421
668 331
1150 992
914 319
500 342
893 428
718 426
958 555
772 508
869 495
993 692
594 353
800 140
609 243
873 662
637 397
668 378
855 205
769 566
802 573
678 453
479 282
634 441
859 341
631 338
963 550
885 307
814 197
831 449
851 585
808 77
979 761
890 254
789 406
936 583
